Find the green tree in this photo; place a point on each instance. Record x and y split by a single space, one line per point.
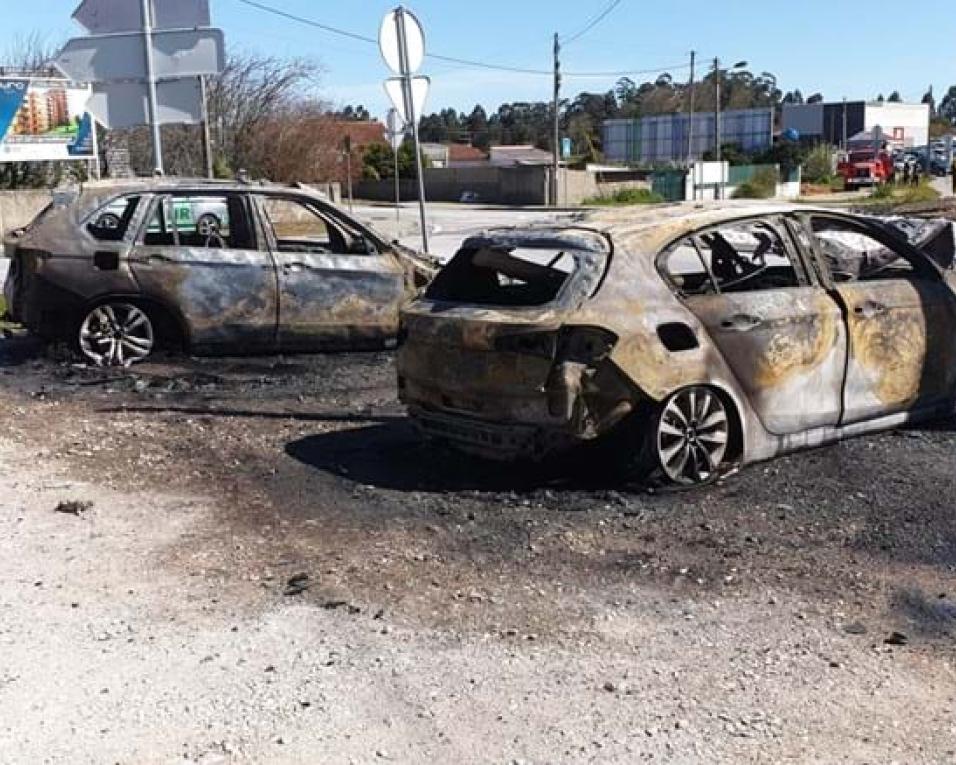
947 106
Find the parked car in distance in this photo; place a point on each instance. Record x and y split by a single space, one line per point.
215 267
686 340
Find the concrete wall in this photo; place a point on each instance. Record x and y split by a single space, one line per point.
18 208
523 185
575 186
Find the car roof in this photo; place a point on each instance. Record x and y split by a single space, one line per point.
650 228
637 229
93 194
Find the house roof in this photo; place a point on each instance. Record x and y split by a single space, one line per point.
460 152
520 155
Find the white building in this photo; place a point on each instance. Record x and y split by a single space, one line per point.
901 124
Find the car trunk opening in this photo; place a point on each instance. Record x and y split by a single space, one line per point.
489 339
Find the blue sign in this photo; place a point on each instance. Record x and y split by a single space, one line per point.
565 148
12 93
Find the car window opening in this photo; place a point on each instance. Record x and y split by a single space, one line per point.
745 257
299 228
504 276
205 222
854 255
110 223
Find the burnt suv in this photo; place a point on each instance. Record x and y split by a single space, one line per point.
120 268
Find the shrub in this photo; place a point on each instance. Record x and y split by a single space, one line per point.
633 196
818 167
763 185
883 191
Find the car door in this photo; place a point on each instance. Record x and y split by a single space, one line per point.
900 314
198 254
778 330
335 289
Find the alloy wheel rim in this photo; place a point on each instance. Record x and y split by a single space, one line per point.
116 334
692 436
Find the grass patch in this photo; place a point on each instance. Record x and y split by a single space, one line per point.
3 310
890 193
626 197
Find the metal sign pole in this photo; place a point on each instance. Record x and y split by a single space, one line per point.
398 194
151 86
413 118
206 136
96 149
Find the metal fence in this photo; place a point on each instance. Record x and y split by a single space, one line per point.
670 184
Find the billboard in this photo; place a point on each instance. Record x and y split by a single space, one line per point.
44 120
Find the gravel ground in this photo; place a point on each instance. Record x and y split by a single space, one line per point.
256 560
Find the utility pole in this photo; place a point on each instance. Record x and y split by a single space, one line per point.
347 144
151 86
843 146
398 196
690 127
556 105
717 150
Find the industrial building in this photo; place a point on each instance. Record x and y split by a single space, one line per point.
904 125
668 138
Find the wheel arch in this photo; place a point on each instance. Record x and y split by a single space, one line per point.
164 315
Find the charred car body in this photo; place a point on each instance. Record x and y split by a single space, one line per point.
216 267
685 339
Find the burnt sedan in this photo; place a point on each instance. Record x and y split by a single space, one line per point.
686 340
119 269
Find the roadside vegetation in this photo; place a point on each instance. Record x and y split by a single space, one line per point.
624 197
763 185
898 194
4 325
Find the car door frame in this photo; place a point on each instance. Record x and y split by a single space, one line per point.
170 276
347 319
792 356
869 392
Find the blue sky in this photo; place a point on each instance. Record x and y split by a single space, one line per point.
837 47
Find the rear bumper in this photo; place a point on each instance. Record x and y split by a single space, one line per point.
48 310
492 440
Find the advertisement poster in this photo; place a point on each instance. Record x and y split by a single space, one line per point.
43 121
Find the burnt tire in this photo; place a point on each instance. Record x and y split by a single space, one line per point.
692 436
682 442
116 333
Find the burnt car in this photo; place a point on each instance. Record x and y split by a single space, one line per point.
121 268
686 340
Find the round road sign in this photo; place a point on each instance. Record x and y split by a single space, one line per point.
389 41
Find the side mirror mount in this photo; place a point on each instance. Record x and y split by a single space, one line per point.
362 245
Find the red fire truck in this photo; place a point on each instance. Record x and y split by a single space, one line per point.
866 167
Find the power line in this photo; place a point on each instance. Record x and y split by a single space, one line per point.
452 59
309 22
593 22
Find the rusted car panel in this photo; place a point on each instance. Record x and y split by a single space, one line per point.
768 347
226 284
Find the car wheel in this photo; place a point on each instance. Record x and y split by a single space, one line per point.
116 335
108 221
208 225
692 436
